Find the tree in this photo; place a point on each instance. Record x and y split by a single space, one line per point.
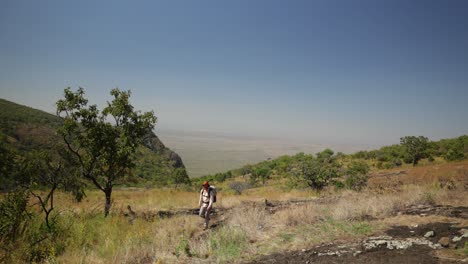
262 173
179 176
415 148
103 142
319 171
52 170
357 173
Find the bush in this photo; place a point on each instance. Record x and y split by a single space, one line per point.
24 235
454 155
357 175
13 216
397 162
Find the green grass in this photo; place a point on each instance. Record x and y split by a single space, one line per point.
228 243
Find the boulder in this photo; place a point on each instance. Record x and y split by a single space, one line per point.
444 241
429 234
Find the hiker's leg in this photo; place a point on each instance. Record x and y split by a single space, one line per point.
202 211
207 217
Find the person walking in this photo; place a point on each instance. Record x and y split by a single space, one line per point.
207 198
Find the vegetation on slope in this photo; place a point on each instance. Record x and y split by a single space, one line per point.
327 167
25 129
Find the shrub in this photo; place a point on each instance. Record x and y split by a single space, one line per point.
13 216
453 155
357 175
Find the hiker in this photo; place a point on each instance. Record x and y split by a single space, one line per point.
207 198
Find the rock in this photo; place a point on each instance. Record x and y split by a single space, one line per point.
429 234
357 253
303 250
456 239
463 232
445 241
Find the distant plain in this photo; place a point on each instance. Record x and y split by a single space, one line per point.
207 152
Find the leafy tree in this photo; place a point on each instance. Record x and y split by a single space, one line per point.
415 147
320 171
453 155
325 155
357 175
262 173
103 142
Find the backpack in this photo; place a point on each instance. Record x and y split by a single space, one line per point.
212 189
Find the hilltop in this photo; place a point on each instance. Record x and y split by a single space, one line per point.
28 129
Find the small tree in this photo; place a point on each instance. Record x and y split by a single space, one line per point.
104 143
320 171
357 175
52 170
262 173
415 148
179 176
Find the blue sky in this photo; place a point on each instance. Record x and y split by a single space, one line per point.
363 72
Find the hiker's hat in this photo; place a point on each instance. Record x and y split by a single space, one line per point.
206 183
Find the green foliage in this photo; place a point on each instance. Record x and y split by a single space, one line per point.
319 171
183 247
415 147
23 234
260 174
454 155
179 176
13 115
357 175
13 216
7 165
104 150
24 129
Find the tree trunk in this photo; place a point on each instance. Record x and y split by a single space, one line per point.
108 192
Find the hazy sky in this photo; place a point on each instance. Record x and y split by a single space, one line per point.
345 71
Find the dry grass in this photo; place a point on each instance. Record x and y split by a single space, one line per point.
249 229
357 206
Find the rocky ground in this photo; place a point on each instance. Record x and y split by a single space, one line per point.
414 243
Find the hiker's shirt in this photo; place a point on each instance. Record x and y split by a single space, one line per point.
206 198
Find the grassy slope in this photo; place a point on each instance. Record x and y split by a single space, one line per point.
248 230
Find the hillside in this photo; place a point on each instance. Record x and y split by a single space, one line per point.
29 129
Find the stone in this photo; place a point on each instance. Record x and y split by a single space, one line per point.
445 241
463 232
456 239
429 234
